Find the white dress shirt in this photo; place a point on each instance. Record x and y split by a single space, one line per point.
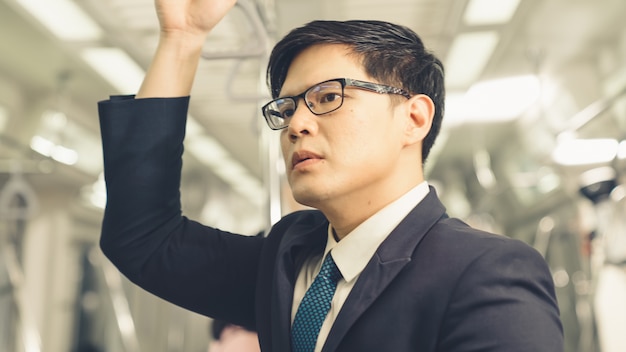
353 253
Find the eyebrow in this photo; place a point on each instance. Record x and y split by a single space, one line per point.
282 95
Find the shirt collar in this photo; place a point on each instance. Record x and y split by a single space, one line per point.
355 250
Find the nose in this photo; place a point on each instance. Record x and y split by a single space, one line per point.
303 122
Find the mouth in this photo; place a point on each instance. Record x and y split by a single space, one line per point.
303 156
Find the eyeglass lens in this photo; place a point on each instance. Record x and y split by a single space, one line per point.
320 99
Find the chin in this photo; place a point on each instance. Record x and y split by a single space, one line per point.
306 200
306 196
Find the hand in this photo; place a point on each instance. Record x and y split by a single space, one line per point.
191 16
184 27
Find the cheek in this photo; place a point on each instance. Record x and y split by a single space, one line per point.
368 142
364 131
353 144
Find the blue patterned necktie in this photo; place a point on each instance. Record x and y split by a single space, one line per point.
314 307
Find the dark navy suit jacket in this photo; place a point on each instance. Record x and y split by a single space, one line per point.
435 284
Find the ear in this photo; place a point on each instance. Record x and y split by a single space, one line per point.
421 110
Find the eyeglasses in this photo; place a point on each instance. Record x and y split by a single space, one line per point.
320 99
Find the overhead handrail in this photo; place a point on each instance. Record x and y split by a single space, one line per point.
25 208
230 89
258 47
592 111
28 332
15 188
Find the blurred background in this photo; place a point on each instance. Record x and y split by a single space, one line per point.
533 146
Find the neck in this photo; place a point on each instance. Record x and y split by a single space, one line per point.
345 215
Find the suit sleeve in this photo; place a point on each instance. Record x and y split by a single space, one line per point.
144 233
504 301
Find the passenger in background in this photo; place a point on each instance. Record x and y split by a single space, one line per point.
232 338
359 105
227 337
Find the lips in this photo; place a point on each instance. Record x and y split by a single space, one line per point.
301 156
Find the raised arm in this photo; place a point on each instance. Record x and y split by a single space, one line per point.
184 25
144 232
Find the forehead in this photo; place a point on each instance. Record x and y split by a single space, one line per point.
320 63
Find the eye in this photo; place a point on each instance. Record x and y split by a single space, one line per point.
285 108
287 113
330 98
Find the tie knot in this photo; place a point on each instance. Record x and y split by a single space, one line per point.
329 269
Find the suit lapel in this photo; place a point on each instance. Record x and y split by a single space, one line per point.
392 255
297 244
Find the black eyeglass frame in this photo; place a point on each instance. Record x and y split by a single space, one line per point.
345 82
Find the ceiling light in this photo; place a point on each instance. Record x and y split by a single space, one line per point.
468 56
597 175
64 19
486 12
90 147
497 100
115 66
64 155
55 126
572 152
52 150
42 145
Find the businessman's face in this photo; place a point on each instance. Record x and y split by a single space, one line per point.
351 155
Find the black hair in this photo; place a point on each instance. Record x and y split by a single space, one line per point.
392 54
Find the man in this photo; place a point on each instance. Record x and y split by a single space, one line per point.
358 106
